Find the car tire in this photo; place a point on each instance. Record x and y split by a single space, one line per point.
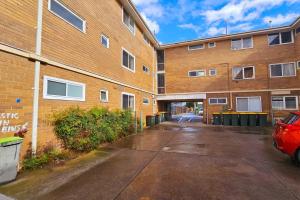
297 157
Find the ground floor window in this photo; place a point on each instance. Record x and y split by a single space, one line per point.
103 95
128 101
55 88
218 101
285 103
248 104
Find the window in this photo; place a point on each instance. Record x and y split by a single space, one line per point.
146 40
197 73
298 65
212 45
212 72
103 95
283 70
280 38
218 101
105 41
242 43
298 30
128 21
160 60
240 73
128 101
196 47
55 88
146 69
161 83
67 15
146 101
248 104
128 60
285 103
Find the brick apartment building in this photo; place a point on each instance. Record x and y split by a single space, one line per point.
60 53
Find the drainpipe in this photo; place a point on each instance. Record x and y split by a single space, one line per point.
37 68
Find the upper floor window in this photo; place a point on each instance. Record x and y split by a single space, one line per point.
67 15
160 60
240 73
298 64
55 88
285 103
128 60
283 70
128 21
146 40
197 73
105 41
161 83
298 30
280 38
212 45
146 69
218 101
242 43
146 101
196 47
103 95
212 72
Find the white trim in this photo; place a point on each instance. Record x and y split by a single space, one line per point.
284 103
107 97
218 98
129 94
123 49
216 72
67 82
242 43
147 100
189 47
127 26
215 45
236 104
243 69
280 38
270 71
83 21
106 38
198 70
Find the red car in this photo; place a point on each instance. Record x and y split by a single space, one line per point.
287 136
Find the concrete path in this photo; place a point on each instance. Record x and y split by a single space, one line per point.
190 162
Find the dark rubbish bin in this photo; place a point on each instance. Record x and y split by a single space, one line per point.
235 119
227 117
244 117
217 119
149 120
252 119
263 119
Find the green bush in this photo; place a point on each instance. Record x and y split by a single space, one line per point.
82 130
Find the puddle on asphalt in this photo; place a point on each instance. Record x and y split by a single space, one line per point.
189 129
198 149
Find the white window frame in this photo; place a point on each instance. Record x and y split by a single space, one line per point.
270 71
106 93
123 49
129 94
200 70
107 39
147 100
65 98
134 28
218 98
280 39
203 47
284 103
76 15
216 72
243 68
215 44
242 43
236 102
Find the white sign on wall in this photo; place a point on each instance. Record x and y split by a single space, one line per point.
6 120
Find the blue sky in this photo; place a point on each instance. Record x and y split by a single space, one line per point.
179 20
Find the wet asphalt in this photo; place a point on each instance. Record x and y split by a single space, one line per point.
188 161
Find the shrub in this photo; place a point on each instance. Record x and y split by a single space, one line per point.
82 130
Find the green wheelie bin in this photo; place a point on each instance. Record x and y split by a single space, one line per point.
252 119
217 119
235 119
263 119
227 118
244 117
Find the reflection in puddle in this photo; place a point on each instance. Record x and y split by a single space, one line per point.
199 149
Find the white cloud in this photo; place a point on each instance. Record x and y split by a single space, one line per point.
241 11
144 2
190 26
153 25
213 31
281 19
